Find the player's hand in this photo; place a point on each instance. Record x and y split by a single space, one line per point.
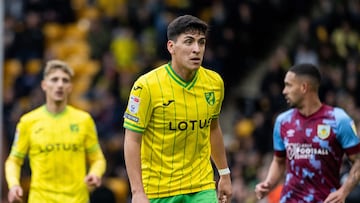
224 189
15 194
262 189
335 197
92 181
139 198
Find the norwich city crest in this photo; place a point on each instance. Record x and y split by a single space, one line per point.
210 98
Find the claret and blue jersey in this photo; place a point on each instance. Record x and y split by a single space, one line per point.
314 147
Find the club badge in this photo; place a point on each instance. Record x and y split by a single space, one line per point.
323 131
210 98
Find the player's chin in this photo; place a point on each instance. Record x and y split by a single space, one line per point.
195 64
292 105
289 103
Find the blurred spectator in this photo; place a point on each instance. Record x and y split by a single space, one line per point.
345 39
29 39
305 54
304 31
99 37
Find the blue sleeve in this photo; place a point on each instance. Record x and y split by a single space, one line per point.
278 140
345 130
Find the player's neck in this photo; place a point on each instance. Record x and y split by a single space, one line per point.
310 107
55 107
185 74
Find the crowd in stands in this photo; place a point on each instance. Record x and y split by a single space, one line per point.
109 43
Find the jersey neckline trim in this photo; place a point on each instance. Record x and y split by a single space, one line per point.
179 80
54 115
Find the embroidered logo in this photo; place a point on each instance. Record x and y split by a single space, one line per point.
290 133
137 88
74 127
323 131
210 98
168 103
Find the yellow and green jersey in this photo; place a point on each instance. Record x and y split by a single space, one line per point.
60 148
174 117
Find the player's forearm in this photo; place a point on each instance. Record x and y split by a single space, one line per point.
12 171
97 163
218 153
276 171
353 178
132 152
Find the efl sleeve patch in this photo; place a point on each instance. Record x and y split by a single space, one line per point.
134 104
353 127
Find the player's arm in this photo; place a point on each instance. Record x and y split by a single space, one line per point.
275 174
15 161
351 181
94 156
12 173
132 152
12 170
218 155
354 174
97 166
97 162
349 140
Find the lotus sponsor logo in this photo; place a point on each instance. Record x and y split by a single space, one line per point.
190 125
55 147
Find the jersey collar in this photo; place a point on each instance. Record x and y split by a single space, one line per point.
179 80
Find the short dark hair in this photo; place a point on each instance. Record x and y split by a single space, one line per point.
309 70
186 23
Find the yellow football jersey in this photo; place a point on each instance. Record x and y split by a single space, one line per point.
174 117
58 147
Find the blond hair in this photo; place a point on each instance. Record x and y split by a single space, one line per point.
58 64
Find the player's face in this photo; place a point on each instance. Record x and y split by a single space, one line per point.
188 50
292 90
57 86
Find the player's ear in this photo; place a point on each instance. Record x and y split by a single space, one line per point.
170 46
43 85
305 87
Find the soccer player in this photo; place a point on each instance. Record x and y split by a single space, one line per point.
61 141
172 128
310 141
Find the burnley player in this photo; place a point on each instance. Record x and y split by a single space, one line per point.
309 143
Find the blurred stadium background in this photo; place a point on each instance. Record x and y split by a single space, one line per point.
110 42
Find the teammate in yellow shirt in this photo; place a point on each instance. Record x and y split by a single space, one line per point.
172 128
61 141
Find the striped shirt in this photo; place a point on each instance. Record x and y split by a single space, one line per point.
174 117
